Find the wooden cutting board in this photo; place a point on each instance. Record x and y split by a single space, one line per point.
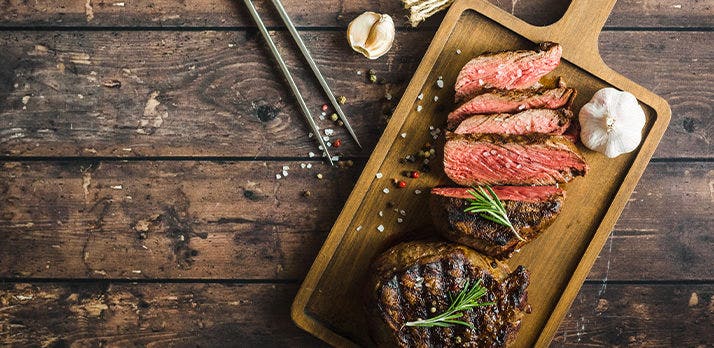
329 303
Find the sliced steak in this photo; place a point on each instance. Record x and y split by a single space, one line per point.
416 280
504 101
507 70
494 159
543 121
530 209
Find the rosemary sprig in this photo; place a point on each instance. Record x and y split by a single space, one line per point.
465 300
488 206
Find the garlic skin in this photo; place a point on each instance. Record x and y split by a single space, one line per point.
612 122
371 34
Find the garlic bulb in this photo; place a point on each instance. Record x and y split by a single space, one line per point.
612 122
371 34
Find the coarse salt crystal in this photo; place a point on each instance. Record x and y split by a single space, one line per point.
458 51
359 228
310 135
378 175
381 213
285 173
325 138
419 107
286 167
335 158
386 190
302 165
403 135
436 98
417 192
311 154
402 213
380 228
309 165
329 131
320 148
329 144
440 83
400 220
481 71
278 176
480 82
420 96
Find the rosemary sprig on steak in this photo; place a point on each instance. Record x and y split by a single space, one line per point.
466 299
488 206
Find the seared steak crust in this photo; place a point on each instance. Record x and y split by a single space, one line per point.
416 279
495 159
529 217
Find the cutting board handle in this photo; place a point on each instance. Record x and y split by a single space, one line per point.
581 24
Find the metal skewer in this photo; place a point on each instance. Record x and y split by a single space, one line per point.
296 36
288 77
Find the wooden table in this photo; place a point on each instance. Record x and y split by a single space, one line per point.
140 140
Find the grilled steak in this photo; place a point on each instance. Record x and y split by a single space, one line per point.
502 101
507 70
494 159
544 121
530 209
415 280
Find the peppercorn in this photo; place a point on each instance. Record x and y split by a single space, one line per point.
342 99
415 174
324 107
337 143
402 184
334 117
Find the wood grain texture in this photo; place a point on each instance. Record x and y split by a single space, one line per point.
240 223
639 316
184 315
242 104
148 315
330 13
148 220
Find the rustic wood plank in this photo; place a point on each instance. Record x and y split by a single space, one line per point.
258 227
330 13
177 315
90 314
639 316
149 220
221 101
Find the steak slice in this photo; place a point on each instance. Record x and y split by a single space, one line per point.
544 121
494 159
507 70
530 209
504 101
416 280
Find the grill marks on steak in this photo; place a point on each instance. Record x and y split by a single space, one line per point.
411 278
544 121
494 159
530 209
504 101
507 70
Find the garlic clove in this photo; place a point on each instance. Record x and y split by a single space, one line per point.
371 34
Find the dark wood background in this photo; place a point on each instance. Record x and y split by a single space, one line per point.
149 214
